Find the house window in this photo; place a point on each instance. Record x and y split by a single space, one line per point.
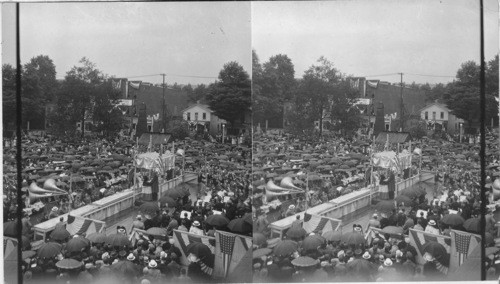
433 115
188 116
195 116
442 115
204 115
426 115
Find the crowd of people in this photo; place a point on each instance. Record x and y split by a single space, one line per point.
456 190
223 189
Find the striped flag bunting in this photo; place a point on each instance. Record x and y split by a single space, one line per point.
462 246
77 225
316 223
419 238
229 251
10 249
183 239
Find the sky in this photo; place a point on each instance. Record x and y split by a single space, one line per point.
374 37
134 39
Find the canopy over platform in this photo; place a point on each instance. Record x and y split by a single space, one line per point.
155 138
152 160
392 137
391 160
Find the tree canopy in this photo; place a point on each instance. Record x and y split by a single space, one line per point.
230 97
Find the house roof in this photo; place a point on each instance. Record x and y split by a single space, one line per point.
157 138
205 107
394 137
438 104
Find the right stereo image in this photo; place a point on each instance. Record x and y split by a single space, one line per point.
375 151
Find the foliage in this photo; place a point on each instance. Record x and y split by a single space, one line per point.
180 129
344 113
86 93
8 95
276 82
462 96
230 97
416 127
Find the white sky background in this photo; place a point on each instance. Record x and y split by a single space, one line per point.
372 37
131 39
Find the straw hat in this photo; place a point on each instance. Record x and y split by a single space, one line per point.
366 255
388 262
432 223
196 224
131 257
54 209
153 263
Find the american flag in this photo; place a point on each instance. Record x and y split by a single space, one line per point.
226 248
462 242
315 223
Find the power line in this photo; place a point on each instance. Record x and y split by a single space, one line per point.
424 75
171 75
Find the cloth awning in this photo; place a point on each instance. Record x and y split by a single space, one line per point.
392 160
393 137
156 138
153 161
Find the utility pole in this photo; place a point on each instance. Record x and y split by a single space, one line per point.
163 105
401 110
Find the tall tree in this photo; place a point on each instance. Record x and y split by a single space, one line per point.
38 86
230 97
107 117
462 96
8 96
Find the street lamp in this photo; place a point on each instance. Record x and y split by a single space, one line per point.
460 131
223 125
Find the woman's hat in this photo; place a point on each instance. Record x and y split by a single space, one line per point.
366 255
388 262
196 224
432 223
131 257
153 263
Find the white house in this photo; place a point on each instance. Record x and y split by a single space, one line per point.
202 118
438 116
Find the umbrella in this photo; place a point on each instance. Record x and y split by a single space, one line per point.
168 200
217 220
177 192
413 191
353 238
296 232
259 239
149 208
28 254
48 250
239 226
403 199
10 229
305 261
202 251
312 242
97 238
125 267
332 236
77 244
248 218
285 248
60 234
452 219
437 250
473 225
392 230
258 253
385 206
118 240
69 263
491 250
360 266
156 231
